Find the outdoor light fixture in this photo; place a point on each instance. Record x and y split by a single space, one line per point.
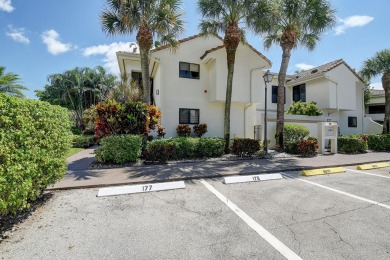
268 76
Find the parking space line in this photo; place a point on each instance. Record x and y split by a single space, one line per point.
267 236
368 173
347 194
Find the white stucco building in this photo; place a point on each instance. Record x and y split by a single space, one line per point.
189 87
375 108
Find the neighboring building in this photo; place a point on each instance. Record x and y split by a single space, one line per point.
375 108
189 86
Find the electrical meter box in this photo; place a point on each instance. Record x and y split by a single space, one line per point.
327 137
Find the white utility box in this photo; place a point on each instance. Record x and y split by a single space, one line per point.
327 131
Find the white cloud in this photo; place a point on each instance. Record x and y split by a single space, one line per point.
17 34
304 66
5 5
352 21
52 40
109 53
377 85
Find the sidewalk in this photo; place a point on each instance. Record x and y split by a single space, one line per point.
79 176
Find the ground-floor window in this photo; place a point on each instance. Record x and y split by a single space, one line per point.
188 116
352 121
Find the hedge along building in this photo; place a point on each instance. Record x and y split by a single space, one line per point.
189 87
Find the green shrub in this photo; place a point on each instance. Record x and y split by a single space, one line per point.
158 151
88 131
352 145
200 130
210 147
303 108
34 140
313 138
379 142
307 148
294 132
183 130
245 147
291 147
184 147
83 141
119 149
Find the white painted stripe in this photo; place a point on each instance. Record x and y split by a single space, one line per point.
347 194
112 191
368 173
252 178
267 236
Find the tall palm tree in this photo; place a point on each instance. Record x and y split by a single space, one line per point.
291 23
160 18
226 16
380 65
9 83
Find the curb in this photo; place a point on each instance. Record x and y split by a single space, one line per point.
301 168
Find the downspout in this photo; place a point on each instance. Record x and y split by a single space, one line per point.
250 95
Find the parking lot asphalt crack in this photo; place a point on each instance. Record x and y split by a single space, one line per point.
337 233
329 216
296 239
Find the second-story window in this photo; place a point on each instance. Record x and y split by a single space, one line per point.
275 94
188 70
299 93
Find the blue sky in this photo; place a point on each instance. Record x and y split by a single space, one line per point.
41 37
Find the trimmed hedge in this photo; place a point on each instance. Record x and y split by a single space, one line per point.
352 145
291 147
379 142
294 132
119 149
83 141
34 140
245 147
158 151
183 148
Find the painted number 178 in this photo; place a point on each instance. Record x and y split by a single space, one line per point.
256 178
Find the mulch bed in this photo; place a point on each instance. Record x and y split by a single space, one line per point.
9 223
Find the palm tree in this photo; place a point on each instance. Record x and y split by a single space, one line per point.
225 16
380 65
160 18
290 23
9 84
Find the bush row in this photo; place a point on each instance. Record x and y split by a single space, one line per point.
34 140
183 148
83 141
352 145
119 149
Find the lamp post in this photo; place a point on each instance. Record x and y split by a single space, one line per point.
267 79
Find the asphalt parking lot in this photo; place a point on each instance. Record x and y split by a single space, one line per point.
336 216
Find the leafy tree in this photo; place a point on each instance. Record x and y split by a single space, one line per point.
221 16
303 108
162 18
77 90
9 84
380 65
291 23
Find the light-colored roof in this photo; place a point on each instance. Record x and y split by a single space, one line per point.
247 44
320 70
183 40
377 92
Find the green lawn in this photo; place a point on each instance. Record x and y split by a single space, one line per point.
73 150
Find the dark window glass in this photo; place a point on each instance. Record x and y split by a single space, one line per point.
188 70
275 94
299 93
188 116
352 121
380 109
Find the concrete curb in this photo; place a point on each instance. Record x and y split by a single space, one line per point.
300 168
